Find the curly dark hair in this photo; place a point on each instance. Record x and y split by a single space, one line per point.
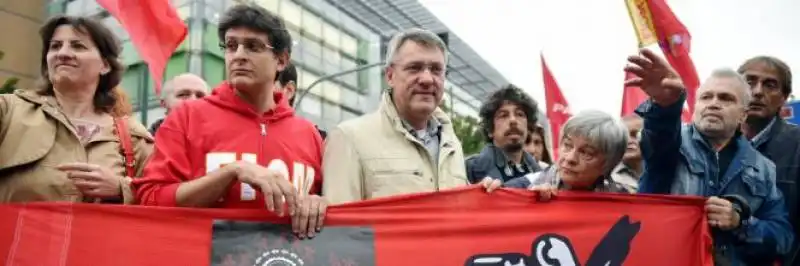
507 94
784 72
106 97
260 20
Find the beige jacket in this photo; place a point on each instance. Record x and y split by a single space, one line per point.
375 156
35 137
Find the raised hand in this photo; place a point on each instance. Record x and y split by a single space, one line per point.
655 76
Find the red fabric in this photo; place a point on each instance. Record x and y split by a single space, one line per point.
203 135
456 225
126 144
154 28
675 41
632 97
558 111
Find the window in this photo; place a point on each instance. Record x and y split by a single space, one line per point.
184 12
352 78
332 92
113 25
311 46
312 25
177 65
299 78
350 98
83 7
129 56
331 113
308 79
291 12
347 115
331 34
331 56
311 106
349 45
211 40
271 5
216 4
213 69
295 37
132 82
332 61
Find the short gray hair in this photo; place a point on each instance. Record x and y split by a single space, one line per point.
421 36
602 131
729 73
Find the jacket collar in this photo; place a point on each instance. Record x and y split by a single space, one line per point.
500 160
447 136
745 153
388 109
50 106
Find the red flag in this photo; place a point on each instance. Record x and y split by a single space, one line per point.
154 28
444 228
558 111
632 97
675 41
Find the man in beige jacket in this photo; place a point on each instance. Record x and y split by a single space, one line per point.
408 144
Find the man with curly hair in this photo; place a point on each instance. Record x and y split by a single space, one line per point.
505 119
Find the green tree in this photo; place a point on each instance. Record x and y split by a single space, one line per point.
9 85
468 131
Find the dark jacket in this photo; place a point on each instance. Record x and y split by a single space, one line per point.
492 162
154 127
680 161
782 146
322 133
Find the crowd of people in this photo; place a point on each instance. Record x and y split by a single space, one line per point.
241 144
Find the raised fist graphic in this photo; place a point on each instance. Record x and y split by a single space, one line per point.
557 250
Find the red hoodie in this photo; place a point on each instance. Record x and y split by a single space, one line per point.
204 135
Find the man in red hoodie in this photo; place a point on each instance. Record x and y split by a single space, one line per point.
241 147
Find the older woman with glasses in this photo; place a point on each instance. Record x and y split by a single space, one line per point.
591 145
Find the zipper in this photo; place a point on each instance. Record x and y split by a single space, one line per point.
261 142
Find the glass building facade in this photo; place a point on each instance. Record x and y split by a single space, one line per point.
326 41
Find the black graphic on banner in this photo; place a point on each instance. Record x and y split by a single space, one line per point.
557 250
265 244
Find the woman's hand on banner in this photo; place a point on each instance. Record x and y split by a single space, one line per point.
310 216
274 185
490 184
544 192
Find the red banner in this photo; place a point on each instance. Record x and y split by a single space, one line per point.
459 227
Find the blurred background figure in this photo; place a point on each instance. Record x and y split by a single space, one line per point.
181 88
628 171
535 144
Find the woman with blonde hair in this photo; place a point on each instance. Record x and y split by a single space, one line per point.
72 139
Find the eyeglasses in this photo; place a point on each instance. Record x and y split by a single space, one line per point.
251 46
